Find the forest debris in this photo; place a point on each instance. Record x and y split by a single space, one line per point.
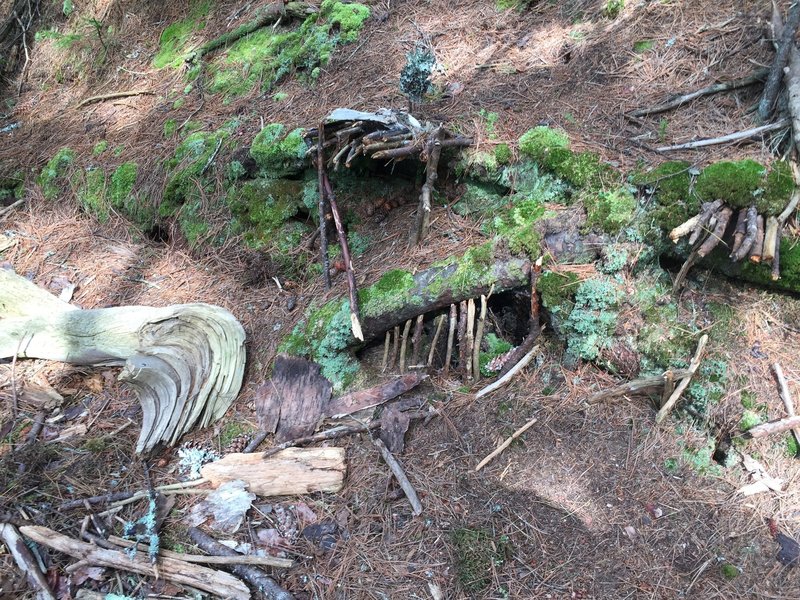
758 243
439 326
776 257
169 569
294 401
291 471
387 340
784 49
510 375
791 74
505 444
715 88
433 150
462 339
715 237
253 575
403 345
469 338
786 396
184 362
710 209
749 238
643 385
770 236
226 506
731 137
773 427
394 425
763 481
14 543
374 396
400 476
416 342
114 96
684 383
739 230
323 214
476 353
684 228
8 209
788 550
448 356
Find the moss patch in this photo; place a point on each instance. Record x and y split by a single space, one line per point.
390 292
91 192
278 154
263 206
55 172
789 263
671 184
476 553
745 182
174 40
609 211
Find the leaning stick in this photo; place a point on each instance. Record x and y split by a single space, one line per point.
684 228
679 278
462 330
739 231
786 396
709 210
386 351
643 385
776 72
774 427
693 366
395 346
439 325
508 376
403 345
450 336
732 137
400 475
323 224
469 337
476 353
12 206
416 341
715 237
776 257
735 84
25 561
114 96
505 444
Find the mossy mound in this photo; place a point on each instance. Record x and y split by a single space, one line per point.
671 183
174 40
263 206
390 292
90 189
743 183
789 264
56 172
123 197
609 211
278 154
266 56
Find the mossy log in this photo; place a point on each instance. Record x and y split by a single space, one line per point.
439 287
184 362
268 15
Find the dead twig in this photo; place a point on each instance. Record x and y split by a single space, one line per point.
776 71
323 224
731 137
505 444
643 385
773 427
693 366
400 476
12 206
786 396
511 373
13 541
114 96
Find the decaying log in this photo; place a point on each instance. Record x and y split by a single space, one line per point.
505 444
289 472
791 74
643 385
374 396
169 569
184 362
25 561
715 237
253 575
693 366
773 427
431 292
784 43
751 229
758 243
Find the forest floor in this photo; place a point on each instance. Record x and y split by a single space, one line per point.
595 501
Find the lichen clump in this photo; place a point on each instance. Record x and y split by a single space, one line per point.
609 211
278 154
593 319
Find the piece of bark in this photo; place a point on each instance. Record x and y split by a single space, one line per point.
184 362
394 424
252 575
510 374
643 385
758 243
292 471
451 331
433 291
25 561
168 569
294 401
374 396
773 427
693 366
400 476
715 237
751 230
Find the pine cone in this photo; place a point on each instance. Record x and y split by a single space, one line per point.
238 444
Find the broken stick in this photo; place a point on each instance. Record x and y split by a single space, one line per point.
506 444
25 561
693 366
400 475
450 337
508 376
643 385
774 427
476 353
786 396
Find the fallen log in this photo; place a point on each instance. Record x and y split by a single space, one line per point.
773 427
791 74
184 362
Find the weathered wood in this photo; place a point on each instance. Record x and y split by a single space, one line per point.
14 544
433 150
739 230
770 237
416 341
448 356
643 385
758 242
784 44
773 427
508 441
374 396
400 476
462 338
776 256
323 216
510 374
791 74
693 366
439 325
715 237
289 472
184 362
786 396
169 569
476 351
751 230
708 212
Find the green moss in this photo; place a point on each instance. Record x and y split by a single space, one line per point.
745 182
55 171
729 571
557 290
91 193
502 154
99 148
263 206
174 40
792 447
480 199
473 266
265 56
170 127
700 458
479 166
277 154
178 103
516 225
663 341
390 292
192 223
789 263
609 211
544 145
122 181
476 554
748 420
671 184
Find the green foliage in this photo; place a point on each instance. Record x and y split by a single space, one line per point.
490 120
474 265
609 211
495 347
557 290
476 553
662 130
640 46
592 321
122 181
701 458
265 56
91 193
729 571
99 148
170 127
612 8
790 267
544 145
415 78
745 182
390 292
280 96
358 243
615 257
748 420
174 40
67 8
502 154
792 447
54 171
279 155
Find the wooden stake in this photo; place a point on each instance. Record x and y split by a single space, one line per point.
439 325
395 346
386 351
715 237
416 341
476 353
758 243
403 345
739 231
776 258
693 366
786 396
450 337
751 229
469 337
770 235
462 331
505 444
433 151
323 224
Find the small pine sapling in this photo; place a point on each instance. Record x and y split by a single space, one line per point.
415 78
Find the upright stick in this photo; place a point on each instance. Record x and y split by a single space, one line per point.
323 228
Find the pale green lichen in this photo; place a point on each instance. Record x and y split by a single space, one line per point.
592 321
609 211
278 154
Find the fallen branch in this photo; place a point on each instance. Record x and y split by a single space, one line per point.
708 213
770 237
786 397
448 355
14 543
114 96
693 366
400 476
254 576
776 71
776 257
476 353
732 137
439 326
169 569
677 101
433 151
643 385
791 74
510 375
773 427
323 216
505 444
715 237
12 206
681 276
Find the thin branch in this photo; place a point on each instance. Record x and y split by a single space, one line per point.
693 366
732 137
114 96
506 444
